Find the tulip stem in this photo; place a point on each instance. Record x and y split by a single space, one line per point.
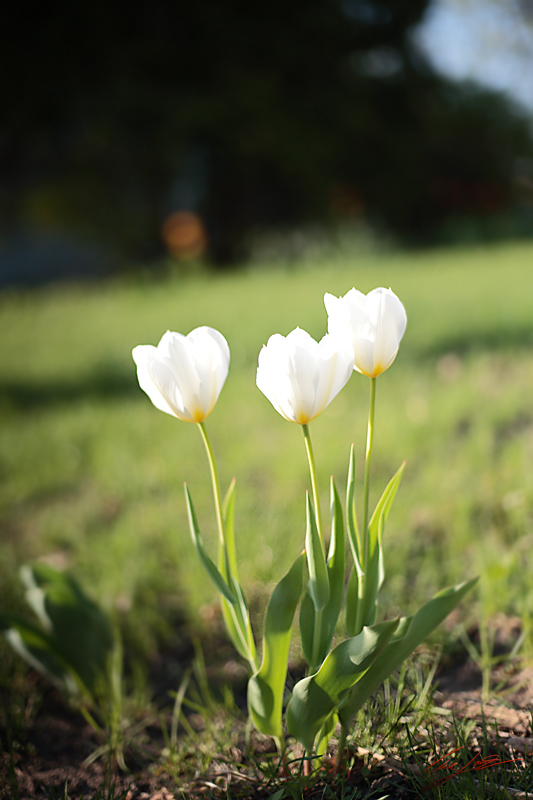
314 481
216 486
368 459
340 749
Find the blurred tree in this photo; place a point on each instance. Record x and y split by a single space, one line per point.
115 115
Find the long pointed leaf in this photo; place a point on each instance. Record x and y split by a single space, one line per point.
318 585
335 567
315 698
307 626
207 563
411 632
335 570
228 513
37 648
237 621
375 573
326 732
352 603
351 516
236 616
381 511
80 630
266 687
356 579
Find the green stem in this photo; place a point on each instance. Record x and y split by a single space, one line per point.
317 635
280 745
314 482
317 632
340 749
215 483
241 620
368 459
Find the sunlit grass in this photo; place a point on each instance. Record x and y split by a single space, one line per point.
93 475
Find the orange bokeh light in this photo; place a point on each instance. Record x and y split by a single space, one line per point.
184 235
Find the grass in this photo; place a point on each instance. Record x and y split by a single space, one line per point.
92 474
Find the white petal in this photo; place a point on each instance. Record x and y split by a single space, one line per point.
184 375
299 376
304 374
375 324
390 322
212 357
182 360
272 376
346 315
145 356
340 358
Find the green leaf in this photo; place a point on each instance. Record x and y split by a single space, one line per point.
228 513
356 579
236 615
318 584
307 626
237 621
315 698
335 571
266 687
381 512
353 531
410 633
326 732
375 572
38 649
207 563
335 567
80 630
352 602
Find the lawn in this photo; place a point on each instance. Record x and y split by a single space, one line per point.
92 473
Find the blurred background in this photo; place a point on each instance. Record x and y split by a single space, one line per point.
316 145
135 132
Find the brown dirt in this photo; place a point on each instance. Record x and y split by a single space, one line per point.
49 749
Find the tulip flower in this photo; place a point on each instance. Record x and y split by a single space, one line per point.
373 324
183 375
301 377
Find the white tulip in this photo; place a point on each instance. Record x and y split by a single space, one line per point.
184 375
373 324
301 377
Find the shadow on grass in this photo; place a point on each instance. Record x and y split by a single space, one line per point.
106 382
492 339
109 381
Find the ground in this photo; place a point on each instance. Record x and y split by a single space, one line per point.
52 747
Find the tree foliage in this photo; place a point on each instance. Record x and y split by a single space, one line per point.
116 114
